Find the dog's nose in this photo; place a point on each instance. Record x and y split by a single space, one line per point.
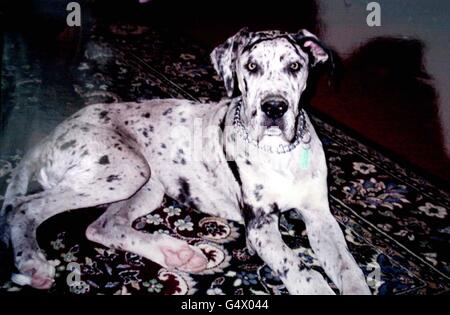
274 108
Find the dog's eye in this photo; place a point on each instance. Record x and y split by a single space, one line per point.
295 66
251 66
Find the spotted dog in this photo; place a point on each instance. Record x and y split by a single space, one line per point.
261 156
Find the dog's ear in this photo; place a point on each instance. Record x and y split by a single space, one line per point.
224 56
319 53
313 46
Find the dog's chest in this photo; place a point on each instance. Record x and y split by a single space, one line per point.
267 181
281 179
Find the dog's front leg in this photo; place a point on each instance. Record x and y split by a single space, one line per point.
265 238
328 243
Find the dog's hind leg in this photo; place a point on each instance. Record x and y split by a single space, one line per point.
23 223
114 229
107 183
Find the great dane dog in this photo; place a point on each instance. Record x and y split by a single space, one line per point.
263 158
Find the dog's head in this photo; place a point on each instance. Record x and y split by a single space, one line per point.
270 70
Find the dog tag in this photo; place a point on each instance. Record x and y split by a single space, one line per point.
304 158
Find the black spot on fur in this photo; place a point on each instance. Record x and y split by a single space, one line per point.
257 192
260 221
61 137
282 273
222 125
8 209
112 178
257 218
68 144
206 167
146 115
184 195
245 85
167 111
184 186
275 208
248 213
235 170
104 160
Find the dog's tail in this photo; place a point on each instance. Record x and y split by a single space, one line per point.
17 188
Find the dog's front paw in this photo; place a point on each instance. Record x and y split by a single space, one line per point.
355 286
357 290
307 282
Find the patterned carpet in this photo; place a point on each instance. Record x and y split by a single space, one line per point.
395 222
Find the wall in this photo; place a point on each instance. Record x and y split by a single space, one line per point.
344 28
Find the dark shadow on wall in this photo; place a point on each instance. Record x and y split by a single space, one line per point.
392 101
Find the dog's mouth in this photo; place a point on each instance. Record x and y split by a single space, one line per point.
270 122
266 125
274 129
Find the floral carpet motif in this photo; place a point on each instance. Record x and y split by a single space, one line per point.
395 222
